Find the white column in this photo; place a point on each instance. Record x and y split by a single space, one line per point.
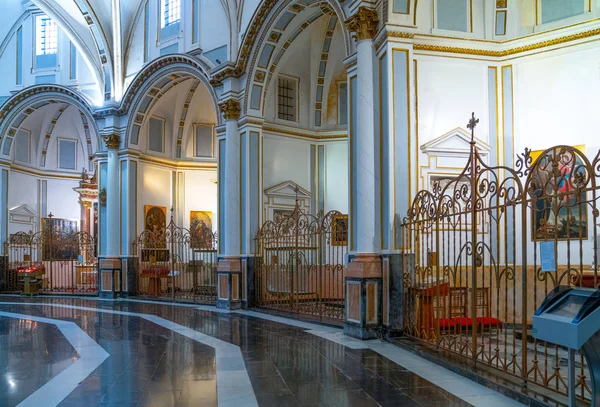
112 196
367 175
231 111
364 25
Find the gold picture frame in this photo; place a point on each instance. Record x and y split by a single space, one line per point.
339 231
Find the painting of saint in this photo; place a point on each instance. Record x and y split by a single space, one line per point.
201 229
155 218
559 208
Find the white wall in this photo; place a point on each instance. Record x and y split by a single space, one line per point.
336 176
62 201
556 100
155 188
285 159
200 195
449 90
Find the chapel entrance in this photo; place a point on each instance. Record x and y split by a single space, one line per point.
177 264
483 251
58 259
300 265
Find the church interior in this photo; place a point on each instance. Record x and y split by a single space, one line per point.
299 203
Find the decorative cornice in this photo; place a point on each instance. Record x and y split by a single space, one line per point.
508 52
112 141
230 109
363 24
298 133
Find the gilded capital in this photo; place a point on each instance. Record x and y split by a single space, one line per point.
363 24
112 141
230 109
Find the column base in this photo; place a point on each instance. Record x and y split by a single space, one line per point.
248 290
363 297
109 277
229 278
3 272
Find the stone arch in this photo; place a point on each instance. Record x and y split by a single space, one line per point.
24 103
144 90
265 17
268 25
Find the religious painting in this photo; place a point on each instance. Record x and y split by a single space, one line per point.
59 239
280 214
339 233
201 224
155 218
559 211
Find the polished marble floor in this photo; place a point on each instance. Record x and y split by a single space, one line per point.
88 352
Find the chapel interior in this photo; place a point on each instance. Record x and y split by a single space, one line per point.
299 203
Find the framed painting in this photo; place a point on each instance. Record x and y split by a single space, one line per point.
279 215
339 233
155 218
201 225
559 212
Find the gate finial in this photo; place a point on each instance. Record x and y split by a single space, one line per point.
471 126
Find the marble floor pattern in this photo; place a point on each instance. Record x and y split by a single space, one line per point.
167 355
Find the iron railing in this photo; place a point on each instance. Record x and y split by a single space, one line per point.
474 276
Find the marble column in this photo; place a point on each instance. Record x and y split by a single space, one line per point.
363 281
112 196
4 174
229 266
110 266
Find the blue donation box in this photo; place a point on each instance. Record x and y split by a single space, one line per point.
570 317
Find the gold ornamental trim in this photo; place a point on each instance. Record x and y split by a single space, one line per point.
363 24
231 109
508 52
336 136
112 141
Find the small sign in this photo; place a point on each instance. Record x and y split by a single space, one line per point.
548 255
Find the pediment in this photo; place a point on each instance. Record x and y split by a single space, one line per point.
22 214
455 141
287 189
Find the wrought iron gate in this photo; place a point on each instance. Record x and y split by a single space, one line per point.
65 260
177 264
474 277
300 264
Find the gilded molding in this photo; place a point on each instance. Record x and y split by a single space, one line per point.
231 109
508 52
400 34
112 141
338 136
363 24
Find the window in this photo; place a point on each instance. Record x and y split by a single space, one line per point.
452 15
170 19
554 10
46 42
287 99
46 36
171 12
343 103
203 140
66 154
22 149
73 62
156 135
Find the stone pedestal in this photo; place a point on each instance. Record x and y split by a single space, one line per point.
229 283
399 265
109 277
248 289
3 272
363 316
